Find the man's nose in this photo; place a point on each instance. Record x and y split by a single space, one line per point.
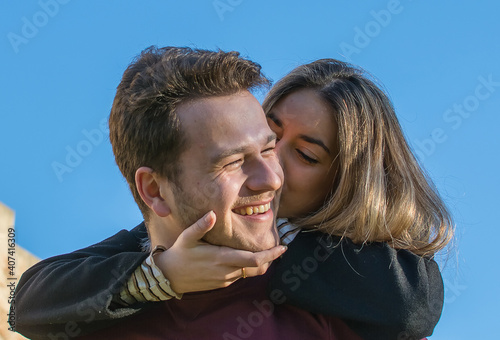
281 153
266 175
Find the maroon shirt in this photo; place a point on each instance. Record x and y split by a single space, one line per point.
240 311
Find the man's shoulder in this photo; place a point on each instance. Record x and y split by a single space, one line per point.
139 232
124 240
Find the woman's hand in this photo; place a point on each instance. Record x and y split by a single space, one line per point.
192 265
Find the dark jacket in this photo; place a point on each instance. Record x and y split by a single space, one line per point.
381 293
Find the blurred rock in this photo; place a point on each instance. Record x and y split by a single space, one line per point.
8 278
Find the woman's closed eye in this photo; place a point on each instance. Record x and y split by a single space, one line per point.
306 158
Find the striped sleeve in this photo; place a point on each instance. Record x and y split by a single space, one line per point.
147 283
286 231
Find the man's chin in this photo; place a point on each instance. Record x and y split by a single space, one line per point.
265 241
260 246
254 235
248 242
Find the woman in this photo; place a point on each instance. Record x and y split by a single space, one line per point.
375 190
350 181
365 186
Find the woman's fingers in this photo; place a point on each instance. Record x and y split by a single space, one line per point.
243 258
255 271
254 264
250 266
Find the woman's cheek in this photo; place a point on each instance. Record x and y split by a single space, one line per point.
298 185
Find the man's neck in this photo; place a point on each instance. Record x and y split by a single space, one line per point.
162 232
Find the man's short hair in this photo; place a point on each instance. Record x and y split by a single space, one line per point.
144 128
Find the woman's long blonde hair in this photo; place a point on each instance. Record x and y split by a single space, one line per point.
381 193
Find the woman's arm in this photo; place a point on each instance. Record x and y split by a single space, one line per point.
380 292
67 293
77 293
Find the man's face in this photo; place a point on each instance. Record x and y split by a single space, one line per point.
229 167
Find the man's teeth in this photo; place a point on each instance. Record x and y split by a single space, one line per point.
258 209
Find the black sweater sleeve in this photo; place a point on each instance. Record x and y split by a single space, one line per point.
70 294
380 292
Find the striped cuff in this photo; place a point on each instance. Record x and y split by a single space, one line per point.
147 283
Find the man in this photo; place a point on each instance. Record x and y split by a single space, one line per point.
188 136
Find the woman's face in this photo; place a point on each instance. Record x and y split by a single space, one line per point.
307 147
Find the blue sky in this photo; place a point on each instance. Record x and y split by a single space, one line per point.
439 60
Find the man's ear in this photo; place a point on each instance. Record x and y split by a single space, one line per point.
148 185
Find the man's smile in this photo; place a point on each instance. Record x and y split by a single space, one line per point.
253 210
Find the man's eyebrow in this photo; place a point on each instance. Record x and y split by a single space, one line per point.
272 136
227 153
275 119
315 141
242 149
